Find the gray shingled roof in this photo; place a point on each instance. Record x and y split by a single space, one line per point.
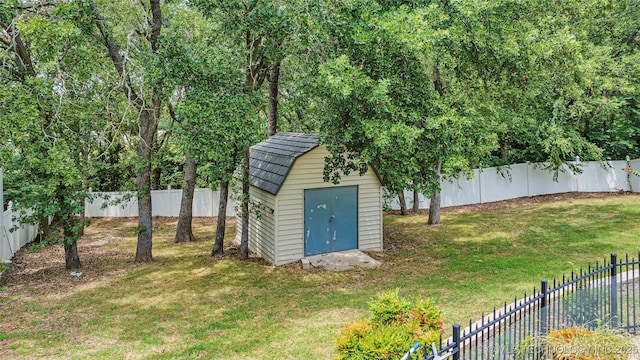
271 160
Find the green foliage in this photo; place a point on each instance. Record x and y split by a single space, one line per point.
34 248
453 85
400 101
140 230
52 102
351 336
217 113
415 88
388 307
395 324
573 84
428 313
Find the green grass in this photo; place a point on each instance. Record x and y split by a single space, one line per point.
186 304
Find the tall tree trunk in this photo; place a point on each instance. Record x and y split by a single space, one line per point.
272 115
83 221
83 212
434 206
218 245
71 258
244 238
70 232
403 203
506 146
149 112
44 229
184 232
148 128
416 197
155 178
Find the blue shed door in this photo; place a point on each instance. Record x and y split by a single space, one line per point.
330 219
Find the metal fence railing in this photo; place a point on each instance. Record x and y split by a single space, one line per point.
605 295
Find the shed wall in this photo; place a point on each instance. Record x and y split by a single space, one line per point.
307 173
262 224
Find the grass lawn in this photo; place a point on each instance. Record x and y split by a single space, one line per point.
187 304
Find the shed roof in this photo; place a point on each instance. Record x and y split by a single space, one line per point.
271 160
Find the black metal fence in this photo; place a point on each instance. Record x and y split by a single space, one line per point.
604 295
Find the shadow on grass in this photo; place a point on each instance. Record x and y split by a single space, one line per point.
188 304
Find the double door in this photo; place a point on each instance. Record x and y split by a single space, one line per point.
330 219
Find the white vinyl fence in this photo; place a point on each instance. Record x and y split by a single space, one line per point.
487 185
521 180
12 241
164 203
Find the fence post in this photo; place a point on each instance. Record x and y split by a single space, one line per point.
577 176
170 200
456 339
213 199
11 238
614 290
543 308
627 165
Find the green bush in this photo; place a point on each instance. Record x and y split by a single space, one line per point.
388 307
394 326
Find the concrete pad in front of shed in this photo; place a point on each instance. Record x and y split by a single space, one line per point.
343 260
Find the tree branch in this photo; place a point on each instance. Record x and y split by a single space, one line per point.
13 73
5 41
156 23
172 113
629 41
34 6
116 58
23 56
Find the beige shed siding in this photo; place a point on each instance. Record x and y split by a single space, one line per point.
262 230
307 174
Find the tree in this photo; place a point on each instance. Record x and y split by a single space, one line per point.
140 32
184 232
612 121
408 106
444 81
260 28
216 114
561 80
51 104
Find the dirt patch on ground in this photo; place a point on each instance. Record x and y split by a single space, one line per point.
44 272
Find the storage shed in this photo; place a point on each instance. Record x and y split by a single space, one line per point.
296 214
